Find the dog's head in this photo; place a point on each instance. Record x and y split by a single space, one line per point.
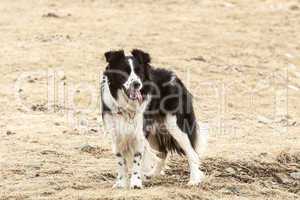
129 73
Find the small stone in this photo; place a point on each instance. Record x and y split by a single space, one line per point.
233 189
263 120
56 123
294 7
87 148
294 123
263 154
230 170
295 175
281 178
199 58
94 130
49 152
34 107
50 14
38 107
10 133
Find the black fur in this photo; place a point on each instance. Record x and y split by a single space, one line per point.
117 70
178 102
168 96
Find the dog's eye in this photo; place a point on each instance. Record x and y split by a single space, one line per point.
127 70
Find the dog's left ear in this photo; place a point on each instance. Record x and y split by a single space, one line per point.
113 57
141 56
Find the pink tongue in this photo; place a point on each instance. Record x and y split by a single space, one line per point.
136 94
139 97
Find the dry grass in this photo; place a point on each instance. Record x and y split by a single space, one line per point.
54 150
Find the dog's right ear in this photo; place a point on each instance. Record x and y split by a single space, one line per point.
113 57
141 56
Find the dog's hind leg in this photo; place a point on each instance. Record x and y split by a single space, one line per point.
154 159
160 165
182 139
153 163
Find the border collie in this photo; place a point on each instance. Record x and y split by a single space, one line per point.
148 112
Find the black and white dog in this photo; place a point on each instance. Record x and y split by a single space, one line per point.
148 111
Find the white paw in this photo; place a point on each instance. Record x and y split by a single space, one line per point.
194 183
136 182
162 172
196 178
158 169
120 184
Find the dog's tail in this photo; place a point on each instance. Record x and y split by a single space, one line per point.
201 139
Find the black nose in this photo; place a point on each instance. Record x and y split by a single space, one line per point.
136 84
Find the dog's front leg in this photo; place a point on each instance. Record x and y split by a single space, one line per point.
122 170
136 176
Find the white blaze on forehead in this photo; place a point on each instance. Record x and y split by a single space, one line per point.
130 61
132 77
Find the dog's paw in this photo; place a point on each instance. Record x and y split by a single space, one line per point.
196 178
136 183
120 184
136 187
194 183
162 172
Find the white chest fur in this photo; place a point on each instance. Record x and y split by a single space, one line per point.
125 122
127 132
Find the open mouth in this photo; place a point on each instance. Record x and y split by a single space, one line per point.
134 94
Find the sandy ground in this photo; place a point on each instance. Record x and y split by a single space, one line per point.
240 59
